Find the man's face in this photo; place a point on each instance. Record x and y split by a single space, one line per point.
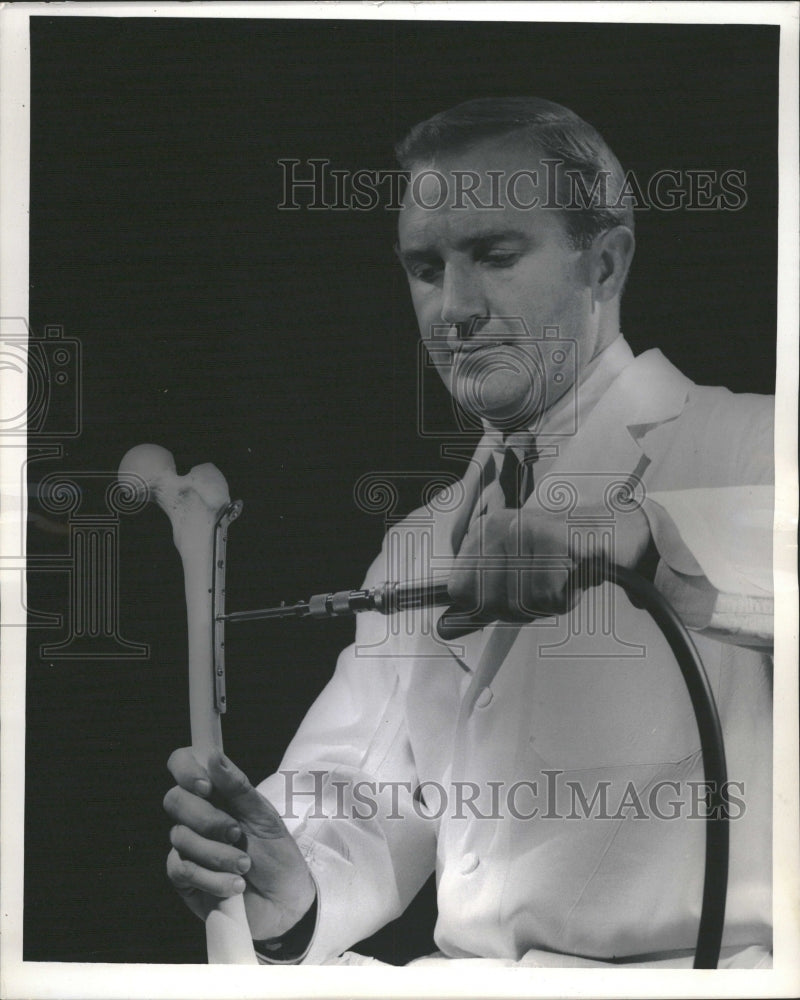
492 282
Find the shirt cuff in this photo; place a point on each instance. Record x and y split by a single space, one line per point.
739 618
723 534
293 946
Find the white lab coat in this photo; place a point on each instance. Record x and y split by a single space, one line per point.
590 704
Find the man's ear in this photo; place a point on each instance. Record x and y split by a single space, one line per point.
611 256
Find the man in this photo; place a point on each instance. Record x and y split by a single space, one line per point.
546 764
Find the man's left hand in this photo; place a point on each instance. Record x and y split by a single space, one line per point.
516 565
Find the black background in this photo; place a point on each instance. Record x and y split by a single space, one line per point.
281 346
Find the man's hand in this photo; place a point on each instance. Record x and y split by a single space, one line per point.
243 846
520 564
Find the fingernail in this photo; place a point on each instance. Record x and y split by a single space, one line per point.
202 787
238 885
234 834
243 864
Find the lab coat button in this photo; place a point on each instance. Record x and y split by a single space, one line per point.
469 863
484 698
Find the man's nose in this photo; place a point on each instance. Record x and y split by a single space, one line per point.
462 298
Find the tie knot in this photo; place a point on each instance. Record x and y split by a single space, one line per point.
523 442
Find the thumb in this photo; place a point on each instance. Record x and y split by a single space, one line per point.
466 615
244 801
454 624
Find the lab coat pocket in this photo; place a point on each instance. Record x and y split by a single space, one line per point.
588 709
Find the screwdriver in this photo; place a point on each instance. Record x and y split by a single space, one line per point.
385 598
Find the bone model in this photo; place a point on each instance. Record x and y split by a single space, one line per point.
193 504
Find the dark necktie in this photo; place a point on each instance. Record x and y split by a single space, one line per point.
516 478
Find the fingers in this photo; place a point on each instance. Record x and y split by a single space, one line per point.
187 876
467 581
204 862
199 815
246 808
188 773
209 854
512 567
482 575
247 804
454 625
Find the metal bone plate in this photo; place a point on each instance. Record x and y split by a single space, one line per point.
228 514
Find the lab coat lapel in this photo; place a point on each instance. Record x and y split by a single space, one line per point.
607 447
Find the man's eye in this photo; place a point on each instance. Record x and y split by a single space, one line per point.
501 258
426 273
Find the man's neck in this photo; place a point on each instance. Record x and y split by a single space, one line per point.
570 411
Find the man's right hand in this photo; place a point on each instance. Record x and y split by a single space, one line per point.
238 844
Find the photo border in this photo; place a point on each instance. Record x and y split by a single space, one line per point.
32 980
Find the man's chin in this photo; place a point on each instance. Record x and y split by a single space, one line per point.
498 388
502 414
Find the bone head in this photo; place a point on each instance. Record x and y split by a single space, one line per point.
192 502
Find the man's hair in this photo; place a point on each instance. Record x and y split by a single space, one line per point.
553 131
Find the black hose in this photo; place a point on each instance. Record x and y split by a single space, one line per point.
715 886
